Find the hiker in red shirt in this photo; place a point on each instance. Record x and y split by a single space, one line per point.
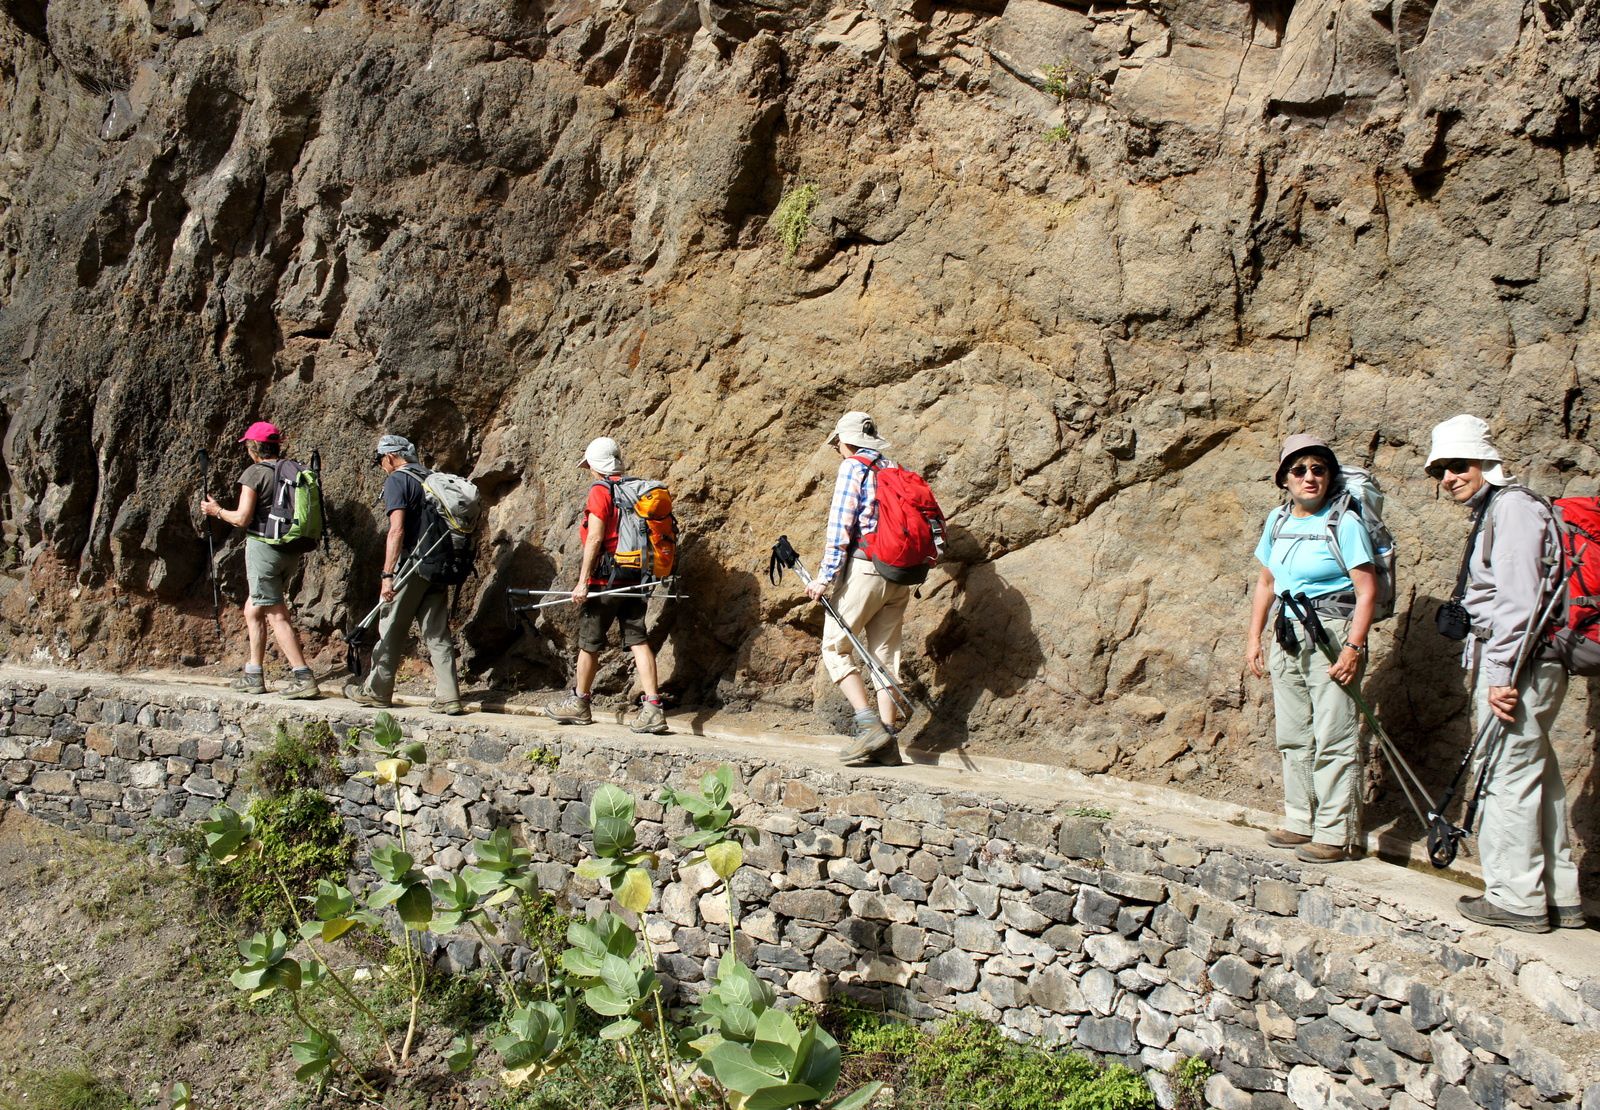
597 532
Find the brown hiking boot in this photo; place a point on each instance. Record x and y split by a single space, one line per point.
452 708
250 684
1321 853
1283 838
302 687
869 740
570 710
650 719
360 696
1568 917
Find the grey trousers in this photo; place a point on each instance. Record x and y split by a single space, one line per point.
429 605
1522 838
1319 738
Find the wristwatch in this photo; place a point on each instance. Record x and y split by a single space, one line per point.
389 574
1359 649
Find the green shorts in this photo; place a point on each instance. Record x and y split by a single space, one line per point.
268 568
596 617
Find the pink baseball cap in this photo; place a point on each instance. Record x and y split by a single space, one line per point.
260 432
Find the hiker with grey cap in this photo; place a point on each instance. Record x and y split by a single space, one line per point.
598 531
1305 551
416 599
870 605
1511 564
268 566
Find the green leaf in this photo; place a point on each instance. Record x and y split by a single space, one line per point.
819 1060
725 858
391 864
414 751
620 1030
386 732
781 1097
178 1097
606 1002
620 975
461 1054
718 785
611 821
314 1053
733 1067
332 900
385 895
858 1098
415 907
599 869
226 833
634 891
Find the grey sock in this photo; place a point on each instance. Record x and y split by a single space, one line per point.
302 672
252 668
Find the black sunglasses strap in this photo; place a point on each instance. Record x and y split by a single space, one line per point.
1472 538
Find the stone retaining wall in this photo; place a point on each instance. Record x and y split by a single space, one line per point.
1111 935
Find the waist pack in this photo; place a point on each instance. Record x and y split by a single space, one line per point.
294 519
911 525
647 532
1359 493
444 551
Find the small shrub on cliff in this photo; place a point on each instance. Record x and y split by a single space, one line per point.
792 216
309 760
302 841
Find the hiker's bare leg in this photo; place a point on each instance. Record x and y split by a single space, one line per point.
855 691
255 623
644 658
277 618
886 709
588 667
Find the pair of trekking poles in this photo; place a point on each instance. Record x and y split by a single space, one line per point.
1443 836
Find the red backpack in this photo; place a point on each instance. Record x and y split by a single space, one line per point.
1576 640
910 530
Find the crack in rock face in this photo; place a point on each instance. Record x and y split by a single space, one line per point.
1085 264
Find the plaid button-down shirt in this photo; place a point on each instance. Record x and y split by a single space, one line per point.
853 513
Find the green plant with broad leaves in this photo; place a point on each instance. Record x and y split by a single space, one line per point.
296 965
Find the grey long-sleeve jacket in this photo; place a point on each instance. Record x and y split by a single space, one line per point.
1514 562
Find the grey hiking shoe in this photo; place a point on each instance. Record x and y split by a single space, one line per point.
1568 917
651 719
869 740
1485 912
570 710
250 684
302 688
448 708
360 696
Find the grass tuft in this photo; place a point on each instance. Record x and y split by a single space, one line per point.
793 216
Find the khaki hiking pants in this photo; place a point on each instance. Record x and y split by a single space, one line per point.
1522 838
429 605
1319 738
874 609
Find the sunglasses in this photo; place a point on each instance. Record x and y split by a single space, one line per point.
1316 470
1454 466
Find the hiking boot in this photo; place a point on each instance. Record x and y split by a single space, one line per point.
1283 838
651 718
869 740
250 684
888 755
1321 853
360 696
302 687
448 708
1568 917
570 710
1485 912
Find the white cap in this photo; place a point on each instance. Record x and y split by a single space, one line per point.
1467 437
603 455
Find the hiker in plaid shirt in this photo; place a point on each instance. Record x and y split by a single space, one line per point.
873 607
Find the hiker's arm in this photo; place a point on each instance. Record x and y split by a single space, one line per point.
594 542
1260 605
843 512
393 544
238 516
1348 665
1519 594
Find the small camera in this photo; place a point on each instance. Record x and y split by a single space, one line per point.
1453 621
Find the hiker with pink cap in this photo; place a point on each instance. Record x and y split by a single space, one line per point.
271 494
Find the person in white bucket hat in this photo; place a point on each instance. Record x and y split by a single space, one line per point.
1513 555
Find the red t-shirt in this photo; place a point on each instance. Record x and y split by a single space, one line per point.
601 503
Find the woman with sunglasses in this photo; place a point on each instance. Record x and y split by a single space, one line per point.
1512 555
1314 547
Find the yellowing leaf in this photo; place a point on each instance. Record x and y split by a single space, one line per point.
634 892
725 858
391 770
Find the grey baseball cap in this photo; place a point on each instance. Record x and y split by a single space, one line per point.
397 445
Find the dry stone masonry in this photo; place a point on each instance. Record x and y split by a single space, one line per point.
1112 935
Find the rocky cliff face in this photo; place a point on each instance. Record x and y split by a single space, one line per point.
1086 263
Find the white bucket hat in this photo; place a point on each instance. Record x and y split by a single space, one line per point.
858 430
603 455
1467 437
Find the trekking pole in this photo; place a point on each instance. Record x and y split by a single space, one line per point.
204 458
564 597
322 508
355 640
1410 783
785 557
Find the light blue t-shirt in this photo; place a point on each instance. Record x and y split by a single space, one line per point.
1301 561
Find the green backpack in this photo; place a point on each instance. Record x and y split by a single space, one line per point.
294 522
